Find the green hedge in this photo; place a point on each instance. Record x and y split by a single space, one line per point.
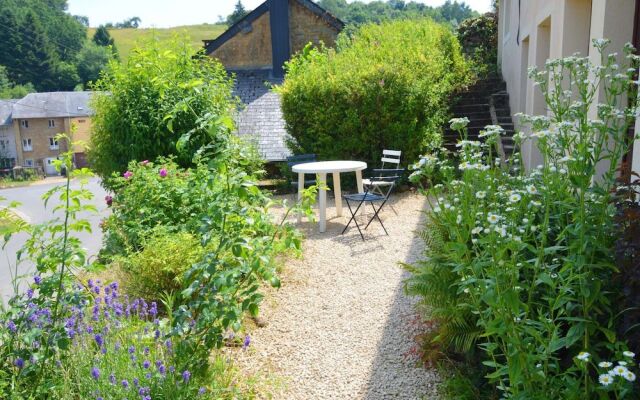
387 86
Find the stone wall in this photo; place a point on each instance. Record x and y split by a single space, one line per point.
250 49
39 132
305 27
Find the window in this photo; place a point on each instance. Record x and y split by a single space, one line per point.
6 163
24 123
28 162
507 18
4 144
26 145
52 123
53 144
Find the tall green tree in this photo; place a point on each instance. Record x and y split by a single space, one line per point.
92 59
238 13
37 55
103 38
10 42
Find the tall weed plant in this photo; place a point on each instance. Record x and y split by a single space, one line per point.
522 261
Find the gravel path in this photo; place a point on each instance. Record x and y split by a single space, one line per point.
341 327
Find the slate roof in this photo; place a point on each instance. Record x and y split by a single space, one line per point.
211 45
5 112
53 105
261 121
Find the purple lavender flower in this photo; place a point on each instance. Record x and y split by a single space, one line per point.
148 375
156 334
162 369
146 350
96 289
172 369
95 373
185 376
202 391
19 362
37 279
146 364
11 326
247 342
154 309
125 383
99 340
90 283
29 293
117 346
135 382
131 349
112 379
103 350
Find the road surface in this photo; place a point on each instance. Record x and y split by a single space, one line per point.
33 209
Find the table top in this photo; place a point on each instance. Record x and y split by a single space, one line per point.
329 166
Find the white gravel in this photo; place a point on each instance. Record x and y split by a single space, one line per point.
341 326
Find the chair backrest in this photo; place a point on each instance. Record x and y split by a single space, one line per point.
389 175
300 159
391 157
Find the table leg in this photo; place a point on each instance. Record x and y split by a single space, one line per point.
337 191
360 188
300 190
322 203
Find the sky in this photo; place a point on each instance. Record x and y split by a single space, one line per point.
168 13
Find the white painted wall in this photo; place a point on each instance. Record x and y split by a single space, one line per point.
554 29
8 138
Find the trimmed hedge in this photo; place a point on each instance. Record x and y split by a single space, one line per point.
387 86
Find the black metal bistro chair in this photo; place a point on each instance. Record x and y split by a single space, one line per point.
390 176
300 159
390 160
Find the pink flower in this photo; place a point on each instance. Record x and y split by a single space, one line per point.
127 174
163 172
145 162
109 200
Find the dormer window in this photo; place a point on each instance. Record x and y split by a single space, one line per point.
52 123
24 123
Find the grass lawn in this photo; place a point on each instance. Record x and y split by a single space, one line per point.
125 39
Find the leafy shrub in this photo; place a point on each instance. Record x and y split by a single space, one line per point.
160 102
479 40
158 268
386 87
151 195
526 259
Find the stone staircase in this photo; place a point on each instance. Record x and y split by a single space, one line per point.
485 103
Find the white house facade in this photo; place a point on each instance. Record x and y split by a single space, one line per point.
532 31
8 148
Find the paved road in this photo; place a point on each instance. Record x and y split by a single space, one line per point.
33 208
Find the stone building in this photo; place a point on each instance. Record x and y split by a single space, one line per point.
255 50
39 117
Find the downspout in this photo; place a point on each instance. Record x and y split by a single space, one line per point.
280 47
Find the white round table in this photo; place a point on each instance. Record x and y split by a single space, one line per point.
321 169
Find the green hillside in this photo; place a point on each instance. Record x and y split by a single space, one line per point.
126 39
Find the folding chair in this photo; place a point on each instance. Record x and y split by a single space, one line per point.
390 176
300 159
390 158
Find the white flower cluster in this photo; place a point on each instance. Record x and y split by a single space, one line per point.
621 370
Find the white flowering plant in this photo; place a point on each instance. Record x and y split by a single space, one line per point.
520 261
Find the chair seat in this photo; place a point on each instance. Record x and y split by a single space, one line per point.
369 182
364 197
